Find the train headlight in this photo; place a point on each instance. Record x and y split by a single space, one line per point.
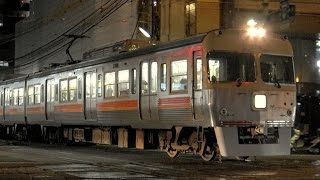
256 32
260 101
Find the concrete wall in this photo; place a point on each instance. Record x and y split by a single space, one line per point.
208 15
42 33
173 18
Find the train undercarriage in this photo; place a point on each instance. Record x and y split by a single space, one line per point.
194 140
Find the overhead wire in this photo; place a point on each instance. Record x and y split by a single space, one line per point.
115 7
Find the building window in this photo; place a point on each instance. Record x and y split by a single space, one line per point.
163 77
4 63
123 83
109 84
190 18
179 81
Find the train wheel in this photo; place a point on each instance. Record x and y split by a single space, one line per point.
209 153
172 152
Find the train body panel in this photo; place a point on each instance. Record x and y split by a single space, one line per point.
237 91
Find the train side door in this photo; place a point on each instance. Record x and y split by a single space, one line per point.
148 102
197 86
49 99
90 99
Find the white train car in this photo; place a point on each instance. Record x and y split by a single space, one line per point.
225 91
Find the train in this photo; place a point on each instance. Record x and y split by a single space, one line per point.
223 93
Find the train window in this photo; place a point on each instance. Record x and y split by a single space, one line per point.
31 95
56 92
15 97
179 81
230 66
199 74
72 89
154 77
79 88
37 94
145 78
277 69
50 90
10 98
64 90
163 77
123 83
1 99
20 96
99 90
134 80
109 84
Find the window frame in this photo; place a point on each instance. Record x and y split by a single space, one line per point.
133 83
114 90
68 90
163 76
180 91
124 82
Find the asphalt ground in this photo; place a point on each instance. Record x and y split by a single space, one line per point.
43 161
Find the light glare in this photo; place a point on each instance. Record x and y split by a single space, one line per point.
256 32
144 32
252 23
318 63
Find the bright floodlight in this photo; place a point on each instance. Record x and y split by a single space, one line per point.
252 23
318 63
144 32
256 32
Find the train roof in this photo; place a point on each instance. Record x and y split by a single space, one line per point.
91 62
139 52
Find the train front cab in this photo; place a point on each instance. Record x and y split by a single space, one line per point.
249 93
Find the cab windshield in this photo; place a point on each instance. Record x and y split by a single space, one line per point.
277 69
230 66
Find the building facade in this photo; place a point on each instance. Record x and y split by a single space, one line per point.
55 26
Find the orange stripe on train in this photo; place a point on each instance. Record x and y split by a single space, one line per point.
118 106
69 108
35 110
172 103
15 111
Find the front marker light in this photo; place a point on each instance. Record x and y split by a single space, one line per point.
260 101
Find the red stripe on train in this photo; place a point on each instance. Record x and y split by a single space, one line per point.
69 108
172 103
118 105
